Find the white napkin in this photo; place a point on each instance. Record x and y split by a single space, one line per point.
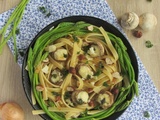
33 21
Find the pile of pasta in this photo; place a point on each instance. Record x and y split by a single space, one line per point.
78 75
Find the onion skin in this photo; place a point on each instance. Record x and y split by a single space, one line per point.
11 111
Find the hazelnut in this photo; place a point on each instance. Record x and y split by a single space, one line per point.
72 70
91 103
39 88
137 34
81 57
70 88
90 90
115 91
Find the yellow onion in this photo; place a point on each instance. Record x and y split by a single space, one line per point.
11 111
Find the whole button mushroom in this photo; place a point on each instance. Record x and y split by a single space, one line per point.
80 97
96 49
85 71
147 21
105 99
129 20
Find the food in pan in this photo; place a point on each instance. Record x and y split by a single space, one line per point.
80 71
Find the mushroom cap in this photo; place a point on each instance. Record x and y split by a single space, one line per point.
129 20
147 21
96 49
85 71
79 95
106 99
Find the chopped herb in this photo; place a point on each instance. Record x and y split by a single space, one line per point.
78 52
67 95
103 101
146 114
94 48
148 44
98 72
105 84
100 65
65 55
80 101
85 49
65 72
83 114
98 107
75 38
55 93
43 9
21 52
51 103
86 110
87 62
48 14
54 75
17 31
88 76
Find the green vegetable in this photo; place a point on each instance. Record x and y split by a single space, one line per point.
54 75
21 52
65 55
103 101
67 95
105 84
75 38
84 113
148 44
149 0
85 49
13 22
44 11
48 14
146 114
35 55
64 72
55 93
78 52
80 101
98 72
17 32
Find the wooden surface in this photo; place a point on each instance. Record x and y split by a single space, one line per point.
10 73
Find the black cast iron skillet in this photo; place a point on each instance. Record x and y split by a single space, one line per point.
95 21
